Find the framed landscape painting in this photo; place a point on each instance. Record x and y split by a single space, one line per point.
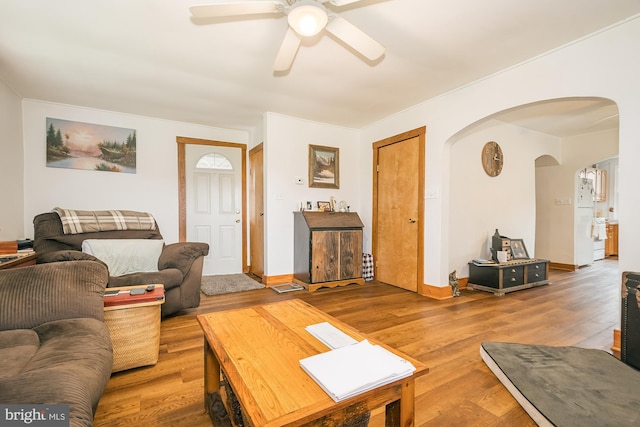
78 145
324 167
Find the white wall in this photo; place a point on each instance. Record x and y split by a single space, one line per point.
153 188
604 65
480 204
11 166
555 222
286 154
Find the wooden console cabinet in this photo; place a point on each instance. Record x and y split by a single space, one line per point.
327 249
508 276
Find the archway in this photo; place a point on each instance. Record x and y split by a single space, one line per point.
535 139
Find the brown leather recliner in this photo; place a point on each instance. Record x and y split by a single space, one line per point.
179 266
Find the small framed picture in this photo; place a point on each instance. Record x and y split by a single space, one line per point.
309 205
324 167
324 206
518 250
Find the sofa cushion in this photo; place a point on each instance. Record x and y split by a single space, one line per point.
74 241
17 347
47 292
71 366
125 256
170 278
80 342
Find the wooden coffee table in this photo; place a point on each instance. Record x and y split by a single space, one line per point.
259 348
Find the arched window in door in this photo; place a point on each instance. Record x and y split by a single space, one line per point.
214 161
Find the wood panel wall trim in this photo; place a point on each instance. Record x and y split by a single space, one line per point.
182 141
277 280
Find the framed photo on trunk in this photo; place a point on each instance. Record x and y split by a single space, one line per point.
518 250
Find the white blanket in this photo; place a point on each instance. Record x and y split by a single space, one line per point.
125 256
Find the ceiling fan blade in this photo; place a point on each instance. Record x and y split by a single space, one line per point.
355 37
220 10
342 2
287 52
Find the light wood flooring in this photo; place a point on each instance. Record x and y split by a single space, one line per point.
579 308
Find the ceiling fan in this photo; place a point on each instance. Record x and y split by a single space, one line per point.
306 18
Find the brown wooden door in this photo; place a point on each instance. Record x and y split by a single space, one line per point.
398 210
256 209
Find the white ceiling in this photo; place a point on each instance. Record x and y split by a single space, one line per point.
564 118
149 57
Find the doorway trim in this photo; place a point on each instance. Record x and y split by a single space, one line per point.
182 141
421 134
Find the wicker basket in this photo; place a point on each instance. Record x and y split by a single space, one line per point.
135 336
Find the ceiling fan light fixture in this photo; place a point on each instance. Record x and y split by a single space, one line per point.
307 18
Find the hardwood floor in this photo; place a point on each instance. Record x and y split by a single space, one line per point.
579 308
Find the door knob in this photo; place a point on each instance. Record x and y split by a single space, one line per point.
412 220
237 221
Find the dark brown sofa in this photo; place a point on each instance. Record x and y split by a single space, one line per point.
54 344
179 266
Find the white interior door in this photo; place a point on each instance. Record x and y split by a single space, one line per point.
214 202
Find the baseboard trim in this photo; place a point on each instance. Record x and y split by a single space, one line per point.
277 280
430 291
565 267
441 293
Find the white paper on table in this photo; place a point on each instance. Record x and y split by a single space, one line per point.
331 336
354 369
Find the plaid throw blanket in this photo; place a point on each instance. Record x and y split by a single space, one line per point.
76 222
367 267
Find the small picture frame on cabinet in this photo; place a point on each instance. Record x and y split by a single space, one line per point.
518 250
324 206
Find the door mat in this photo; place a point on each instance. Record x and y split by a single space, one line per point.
228 283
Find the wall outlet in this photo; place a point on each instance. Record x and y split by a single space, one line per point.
431 194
